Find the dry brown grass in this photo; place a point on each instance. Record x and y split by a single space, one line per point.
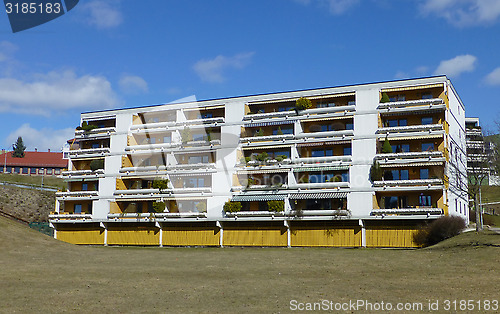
40 274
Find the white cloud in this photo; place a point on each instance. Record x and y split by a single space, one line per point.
55 91
7 49
463 13
456 66
103 14
336 7
494 77
401 75
132 84
42 139
213 70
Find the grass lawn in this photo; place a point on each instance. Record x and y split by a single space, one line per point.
40 274
48 181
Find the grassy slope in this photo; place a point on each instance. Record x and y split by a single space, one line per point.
40 274
48 181
27 204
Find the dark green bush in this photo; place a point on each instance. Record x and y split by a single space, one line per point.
303 103
387 148
276 206
376 172
439 230
232 207
161 184
385 98
159 207
97 164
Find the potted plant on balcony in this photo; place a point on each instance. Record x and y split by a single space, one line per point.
96 164
232 207
375 172
159 207
302 104
387 148
160 184
186 135
276 206
385 98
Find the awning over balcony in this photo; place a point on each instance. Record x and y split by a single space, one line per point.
251 125
262 171
415 137
251 198
320 168
304 196
310 144
324 119
416 164
267 146
195 174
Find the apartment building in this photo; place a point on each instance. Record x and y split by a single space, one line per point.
479 152
357 166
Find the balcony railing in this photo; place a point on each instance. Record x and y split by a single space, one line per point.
321 185
315 160
414 182
63 216
99 132
267 138
291 113
410 103
155 192
327 134
156 215
80 173
77 194
407 211
411 128
410 155
90 152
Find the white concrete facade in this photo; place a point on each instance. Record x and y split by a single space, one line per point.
210 167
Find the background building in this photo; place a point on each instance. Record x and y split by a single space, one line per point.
33 163
161 175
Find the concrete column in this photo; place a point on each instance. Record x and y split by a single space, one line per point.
363 233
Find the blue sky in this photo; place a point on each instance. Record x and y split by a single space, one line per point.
122 53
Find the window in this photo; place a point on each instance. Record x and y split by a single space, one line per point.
85 187
351 103
199 137
207 115
78 209
152 140
401 148
347 151
25 170
198 159
345 176
325 105
391 202
349 126
396 122
426 120
427 147
424 200
427 96
400 174
194 183
424 173
284 130
17 169
287 108
167 139
95 145
320 152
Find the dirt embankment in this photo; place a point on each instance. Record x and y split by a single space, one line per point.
27 204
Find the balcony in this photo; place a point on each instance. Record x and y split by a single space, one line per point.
327 111
320 185
95 133
148 193
156 215
430 128
407 211
89 153
412 105
82 174
162 126
409 184
328 134
68 216
76 195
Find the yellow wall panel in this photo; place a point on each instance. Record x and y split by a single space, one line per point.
134 237
324 236
191 236
81 236
255 236
390 237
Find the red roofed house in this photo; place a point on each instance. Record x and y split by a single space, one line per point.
33 163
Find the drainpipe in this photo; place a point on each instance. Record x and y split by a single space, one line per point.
363 232
104 226
221 231
158 225
288 234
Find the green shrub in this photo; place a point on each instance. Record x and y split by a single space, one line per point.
260 132
376 172
385 98
279 132
303 103
232 207
439 230
262 157
386 148
160 184
87 127
276 206
159 207
97 164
